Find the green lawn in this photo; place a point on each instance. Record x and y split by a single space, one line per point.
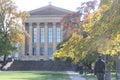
92 77
33 75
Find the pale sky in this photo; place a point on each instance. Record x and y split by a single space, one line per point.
28 5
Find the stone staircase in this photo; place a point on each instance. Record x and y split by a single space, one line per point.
40 65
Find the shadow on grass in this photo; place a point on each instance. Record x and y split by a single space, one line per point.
35 75
93 77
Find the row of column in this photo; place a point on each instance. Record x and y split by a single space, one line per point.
38 39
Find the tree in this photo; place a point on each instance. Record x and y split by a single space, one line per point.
102 27
75 34
108 39
107 34
11 27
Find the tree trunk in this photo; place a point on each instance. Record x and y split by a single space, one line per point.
118 68
107 74
5 59
107 70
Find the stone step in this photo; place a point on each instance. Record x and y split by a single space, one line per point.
41 65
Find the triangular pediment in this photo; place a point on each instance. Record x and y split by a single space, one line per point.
49 10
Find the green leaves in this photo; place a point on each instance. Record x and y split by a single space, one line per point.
103 34
11 26
6 47
110 28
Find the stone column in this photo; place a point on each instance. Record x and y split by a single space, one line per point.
38 39
22 48
30 43
54 37
46 41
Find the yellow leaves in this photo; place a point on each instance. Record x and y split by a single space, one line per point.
20 15
16 35
91 19
89 16
118 38
106 3
59 54
105 7
76 37
112 52
104 34
110 47
71 48
19 39
23 15
13 21
15 14
106 29
11 25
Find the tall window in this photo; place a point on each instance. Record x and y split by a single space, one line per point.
42 35
34 51
50 34
50 51
27 26
58 34
42 51
34 35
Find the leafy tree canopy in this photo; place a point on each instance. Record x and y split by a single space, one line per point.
12 29
101 27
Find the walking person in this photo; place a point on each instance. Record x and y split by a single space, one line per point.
99 68
80 68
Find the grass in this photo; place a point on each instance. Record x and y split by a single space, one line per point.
93 77
33 75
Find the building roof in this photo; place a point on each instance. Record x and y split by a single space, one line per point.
50 10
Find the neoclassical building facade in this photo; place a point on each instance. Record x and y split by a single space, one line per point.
46 32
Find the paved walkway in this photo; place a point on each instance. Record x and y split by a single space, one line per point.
75 76
7 65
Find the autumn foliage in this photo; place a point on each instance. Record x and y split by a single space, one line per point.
98 22
11 27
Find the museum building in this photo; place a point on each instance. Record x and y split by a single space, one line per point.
45 28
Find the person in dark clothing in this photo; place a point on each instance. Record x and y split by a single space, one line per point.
80 68
99 68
